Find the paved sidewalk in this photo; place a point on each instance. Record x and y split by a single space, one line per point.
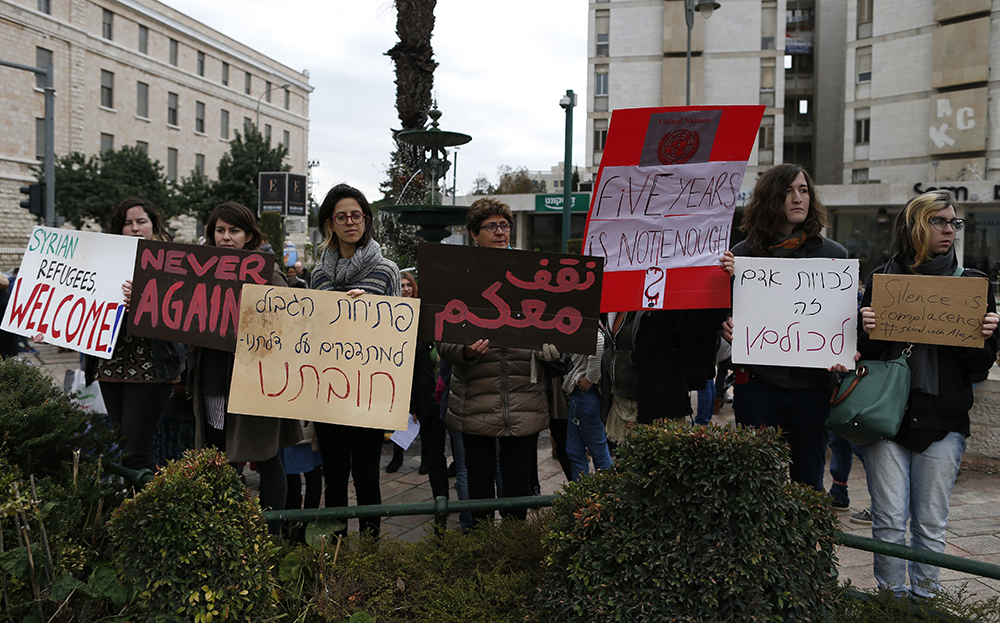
973 526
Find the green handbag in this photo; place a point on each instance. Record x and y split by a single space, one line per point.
870 402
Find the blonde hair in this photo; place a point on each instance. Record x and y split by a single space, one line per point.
912 235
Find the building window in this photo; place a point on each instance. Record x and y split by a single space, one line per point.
864 63
143 39
862 126
107 89
201 63
285 138
142 146
225 74
107 142
43 57
247 124
767 67
765 141
267 91
171 164
40 139
44 6
768 24
172 106
601 88
246 83
224 125
865 18
142 100
173 52
199 163
107 24
267 133
859 176
288 97
600 134
602 29
199 117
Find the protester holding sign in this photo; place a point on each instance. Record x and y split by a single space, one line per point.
497 393
136 382
352 262
783 219
911 476
243 438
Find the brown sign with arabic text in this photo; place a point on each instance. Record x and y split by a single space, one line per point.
515 299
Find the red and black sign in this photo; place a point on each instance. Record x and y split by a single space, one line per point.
191 293
515 299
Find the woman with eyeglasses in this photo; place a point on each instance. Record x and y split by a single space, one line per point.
498 403
352 262
911 476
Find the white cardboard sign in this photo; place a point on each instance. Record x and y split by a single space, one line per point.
795 312
69 289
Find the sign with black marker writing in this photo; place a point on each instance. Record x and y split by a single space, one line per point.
929 310
795 312
69 289
663 203
515 299
190 293
325 356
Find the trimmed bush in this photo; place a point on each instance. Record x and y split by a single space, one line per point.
692 524
194 546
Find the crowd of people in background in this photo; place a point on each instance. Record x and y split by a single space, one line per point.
493 402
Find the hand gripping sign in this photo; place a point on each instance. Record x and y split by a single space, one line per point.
663 204
69 289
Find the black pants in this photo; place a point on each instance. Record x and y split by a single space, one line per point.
432 449
352 451
135 408
314 489
516 465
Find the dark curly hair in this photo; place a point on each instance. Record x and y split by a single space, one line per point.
121 210
482 209
239 215
338 192
763 214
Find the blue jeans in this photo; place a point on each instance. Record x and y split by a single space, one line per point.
461 476
915 486
706 402
801 414
842 454
586 432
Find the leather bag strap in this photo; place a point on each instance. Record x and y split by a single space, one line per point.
835 400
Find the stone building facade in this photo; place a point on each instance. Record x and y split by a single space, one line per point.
135 72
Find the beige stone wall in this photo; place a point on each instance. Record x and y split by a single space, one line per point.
73 33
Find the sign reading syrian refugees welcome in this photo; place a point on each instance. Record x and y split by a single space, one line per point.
69 289
663 203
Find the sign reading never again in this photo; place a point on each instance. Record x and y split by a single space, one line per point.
191 293
69 289
515 299
929 310
325 356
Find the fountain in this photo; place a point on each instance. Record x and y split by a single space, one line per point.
433 218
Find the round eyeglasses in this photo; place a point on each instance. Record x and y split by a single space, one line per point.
940 224
354 217
493 227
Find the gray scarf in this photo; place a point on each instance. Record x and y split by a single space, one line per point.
923 359
344 272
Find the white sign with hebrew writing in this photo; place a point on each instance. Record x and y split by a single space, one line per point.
795 312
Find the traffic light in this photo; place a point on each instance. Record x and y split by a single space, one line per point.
36 199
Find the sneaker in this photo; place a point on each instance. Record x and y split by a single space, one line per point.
864 517
838 505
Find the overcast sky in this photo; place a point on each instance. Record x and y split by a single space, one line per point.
502 68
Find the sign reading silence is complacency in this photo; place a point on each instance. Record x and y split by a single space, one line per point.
325 356
663 204
191 293
515 299
69 289
795 312
923 309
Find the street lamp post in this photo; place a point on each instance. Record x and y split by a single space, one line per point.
705 7
568 102
454 179
288 84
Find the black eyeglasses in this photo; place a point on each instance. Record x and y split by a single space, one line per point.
940 224
354 217
493 227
